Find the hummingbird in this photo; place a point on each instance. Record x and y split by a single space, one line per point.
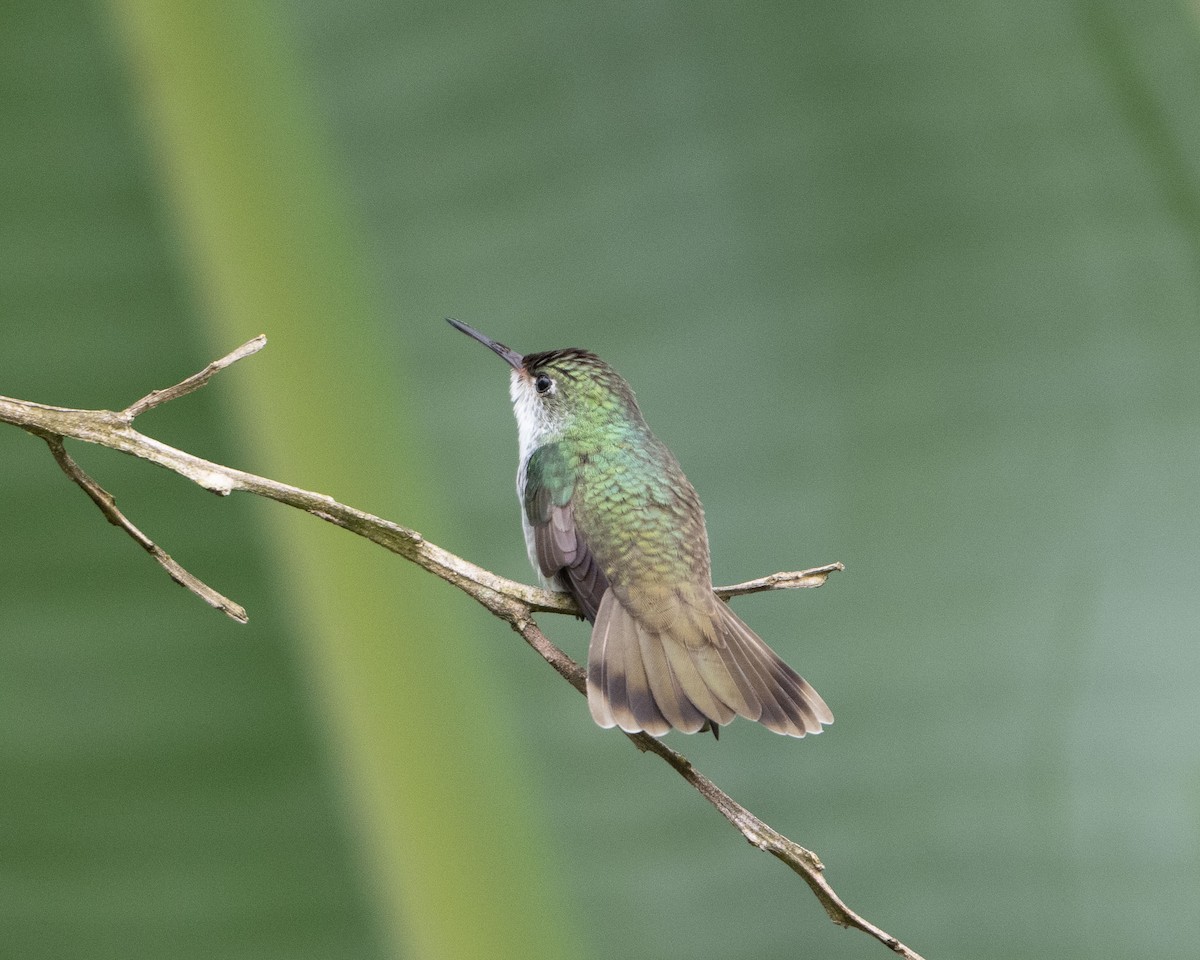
610 518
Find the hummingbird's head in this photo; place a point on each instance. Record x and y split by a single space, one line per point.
560 390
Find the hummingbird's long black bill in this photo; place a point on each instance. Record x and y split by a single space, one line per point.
511 357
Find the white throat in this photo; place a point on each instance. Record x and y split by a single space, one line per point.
535 425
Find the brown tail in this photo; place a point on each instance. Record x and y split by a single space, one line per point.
644 680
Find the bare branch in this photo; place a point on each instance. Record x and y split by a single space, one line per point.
792 580
108 506
511 601
156 398
552 601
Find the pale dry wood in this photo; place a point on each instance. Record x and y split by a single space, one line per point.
511 601
156 398
108 506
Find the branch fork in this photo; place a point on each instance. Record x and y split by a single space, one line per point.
510 601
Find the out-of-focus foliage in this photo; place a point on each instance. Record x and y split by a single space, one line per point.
904 285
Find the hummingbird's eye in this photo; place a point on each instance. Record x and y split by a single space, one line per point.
542 383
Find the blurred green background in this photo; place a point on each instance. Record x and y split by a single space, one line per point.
910 286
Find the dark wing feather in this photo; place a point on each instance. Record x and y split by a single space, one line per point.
561 550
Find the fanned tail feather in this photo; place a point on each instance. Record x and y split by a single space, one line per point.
790 704
641 679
